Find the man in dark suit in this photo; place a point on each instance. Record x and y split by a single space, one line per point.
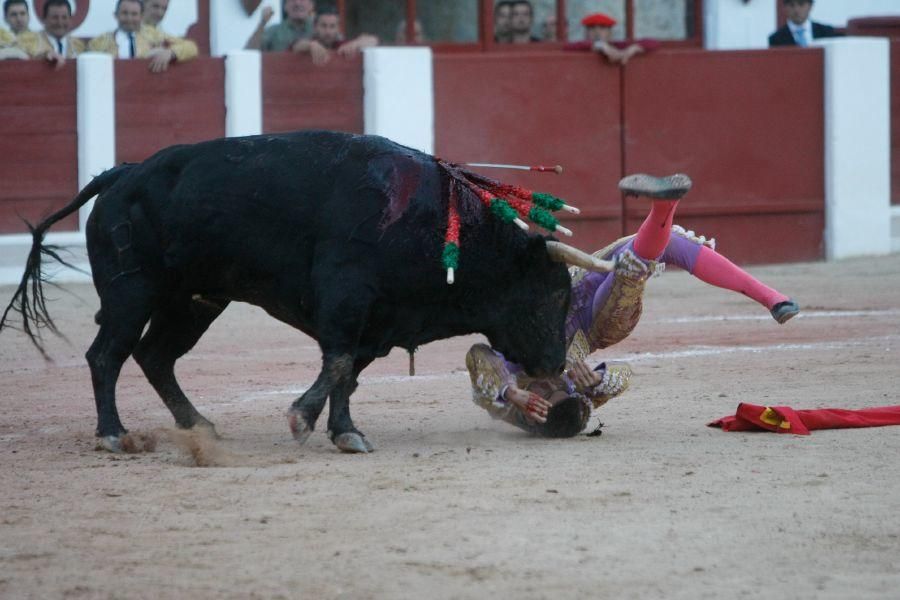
800 30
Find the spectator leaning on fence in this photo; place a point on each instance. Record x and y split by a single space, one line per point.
502 14
521 21
54 43
327 39
154 11
15 13
131 40
598 37
297 26
8 48
548 29
418 33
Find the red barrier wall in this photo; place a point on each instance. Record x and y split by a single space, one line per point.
716 116
153 110
540 108
39 168
723 118
300 95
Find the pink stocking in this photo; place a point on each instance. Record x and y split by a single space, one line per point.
653 235
714 269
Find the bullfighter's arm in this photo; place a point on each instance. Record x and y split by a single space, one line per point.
601 383
494 387
491 375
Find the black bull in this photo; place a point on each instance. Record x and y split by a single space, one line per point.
337 235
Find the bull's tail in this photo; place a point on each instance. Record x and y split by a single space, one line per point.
29 300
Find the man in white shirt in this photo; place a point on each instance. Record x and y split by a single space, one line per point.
54 44
131 40
181 49
800 30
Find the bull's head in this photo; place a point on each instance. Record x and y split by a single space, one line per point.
532 313
532 330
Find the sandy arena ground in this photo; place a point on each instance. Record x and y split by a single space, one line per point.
453 505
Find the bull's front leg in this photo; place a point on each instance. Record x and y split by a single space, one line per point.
305 411
337 380
341 430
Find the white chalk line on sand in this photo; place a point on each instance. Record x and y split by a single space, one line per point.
692 352
812 314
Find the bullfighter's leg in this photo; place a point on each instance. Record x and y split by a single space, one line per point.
125 309
172 333
654 239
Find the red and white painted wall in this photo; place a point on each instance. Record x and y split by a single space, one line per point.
789 148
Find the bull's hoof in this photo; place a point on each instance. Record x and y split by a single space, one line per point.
300 428
354 443
110 443
207 427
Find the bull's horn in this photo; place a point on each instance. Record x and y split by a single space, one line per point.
573 256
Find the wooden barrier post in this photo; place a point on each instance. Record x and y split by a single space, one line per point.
243 93
399 95
857 147
96 121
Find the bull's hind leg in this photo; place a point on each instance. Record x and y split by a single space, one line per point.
172 333
125 309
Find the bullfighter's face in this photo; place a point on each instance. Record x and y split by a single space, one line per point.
155 10
129 16
58 21
17 17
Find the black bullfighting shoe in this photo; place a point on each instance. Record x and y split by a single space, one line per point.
783 311
671 187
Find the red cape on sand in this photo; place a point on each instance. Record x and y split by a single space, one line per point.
783 419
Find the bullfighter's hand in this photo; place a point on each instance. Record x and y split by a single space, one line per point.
160 59
266 15
319 53
583 376
57 60
612 54
631 51
532 406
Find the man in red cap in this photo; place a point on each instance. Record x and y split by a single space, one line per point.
598 33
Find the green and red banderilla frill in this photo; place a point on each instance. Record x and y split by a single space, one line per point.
509 203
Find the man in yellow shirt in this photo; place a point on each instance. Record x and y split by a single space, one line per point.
131 40
154 11
15 13
8 47
54 44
